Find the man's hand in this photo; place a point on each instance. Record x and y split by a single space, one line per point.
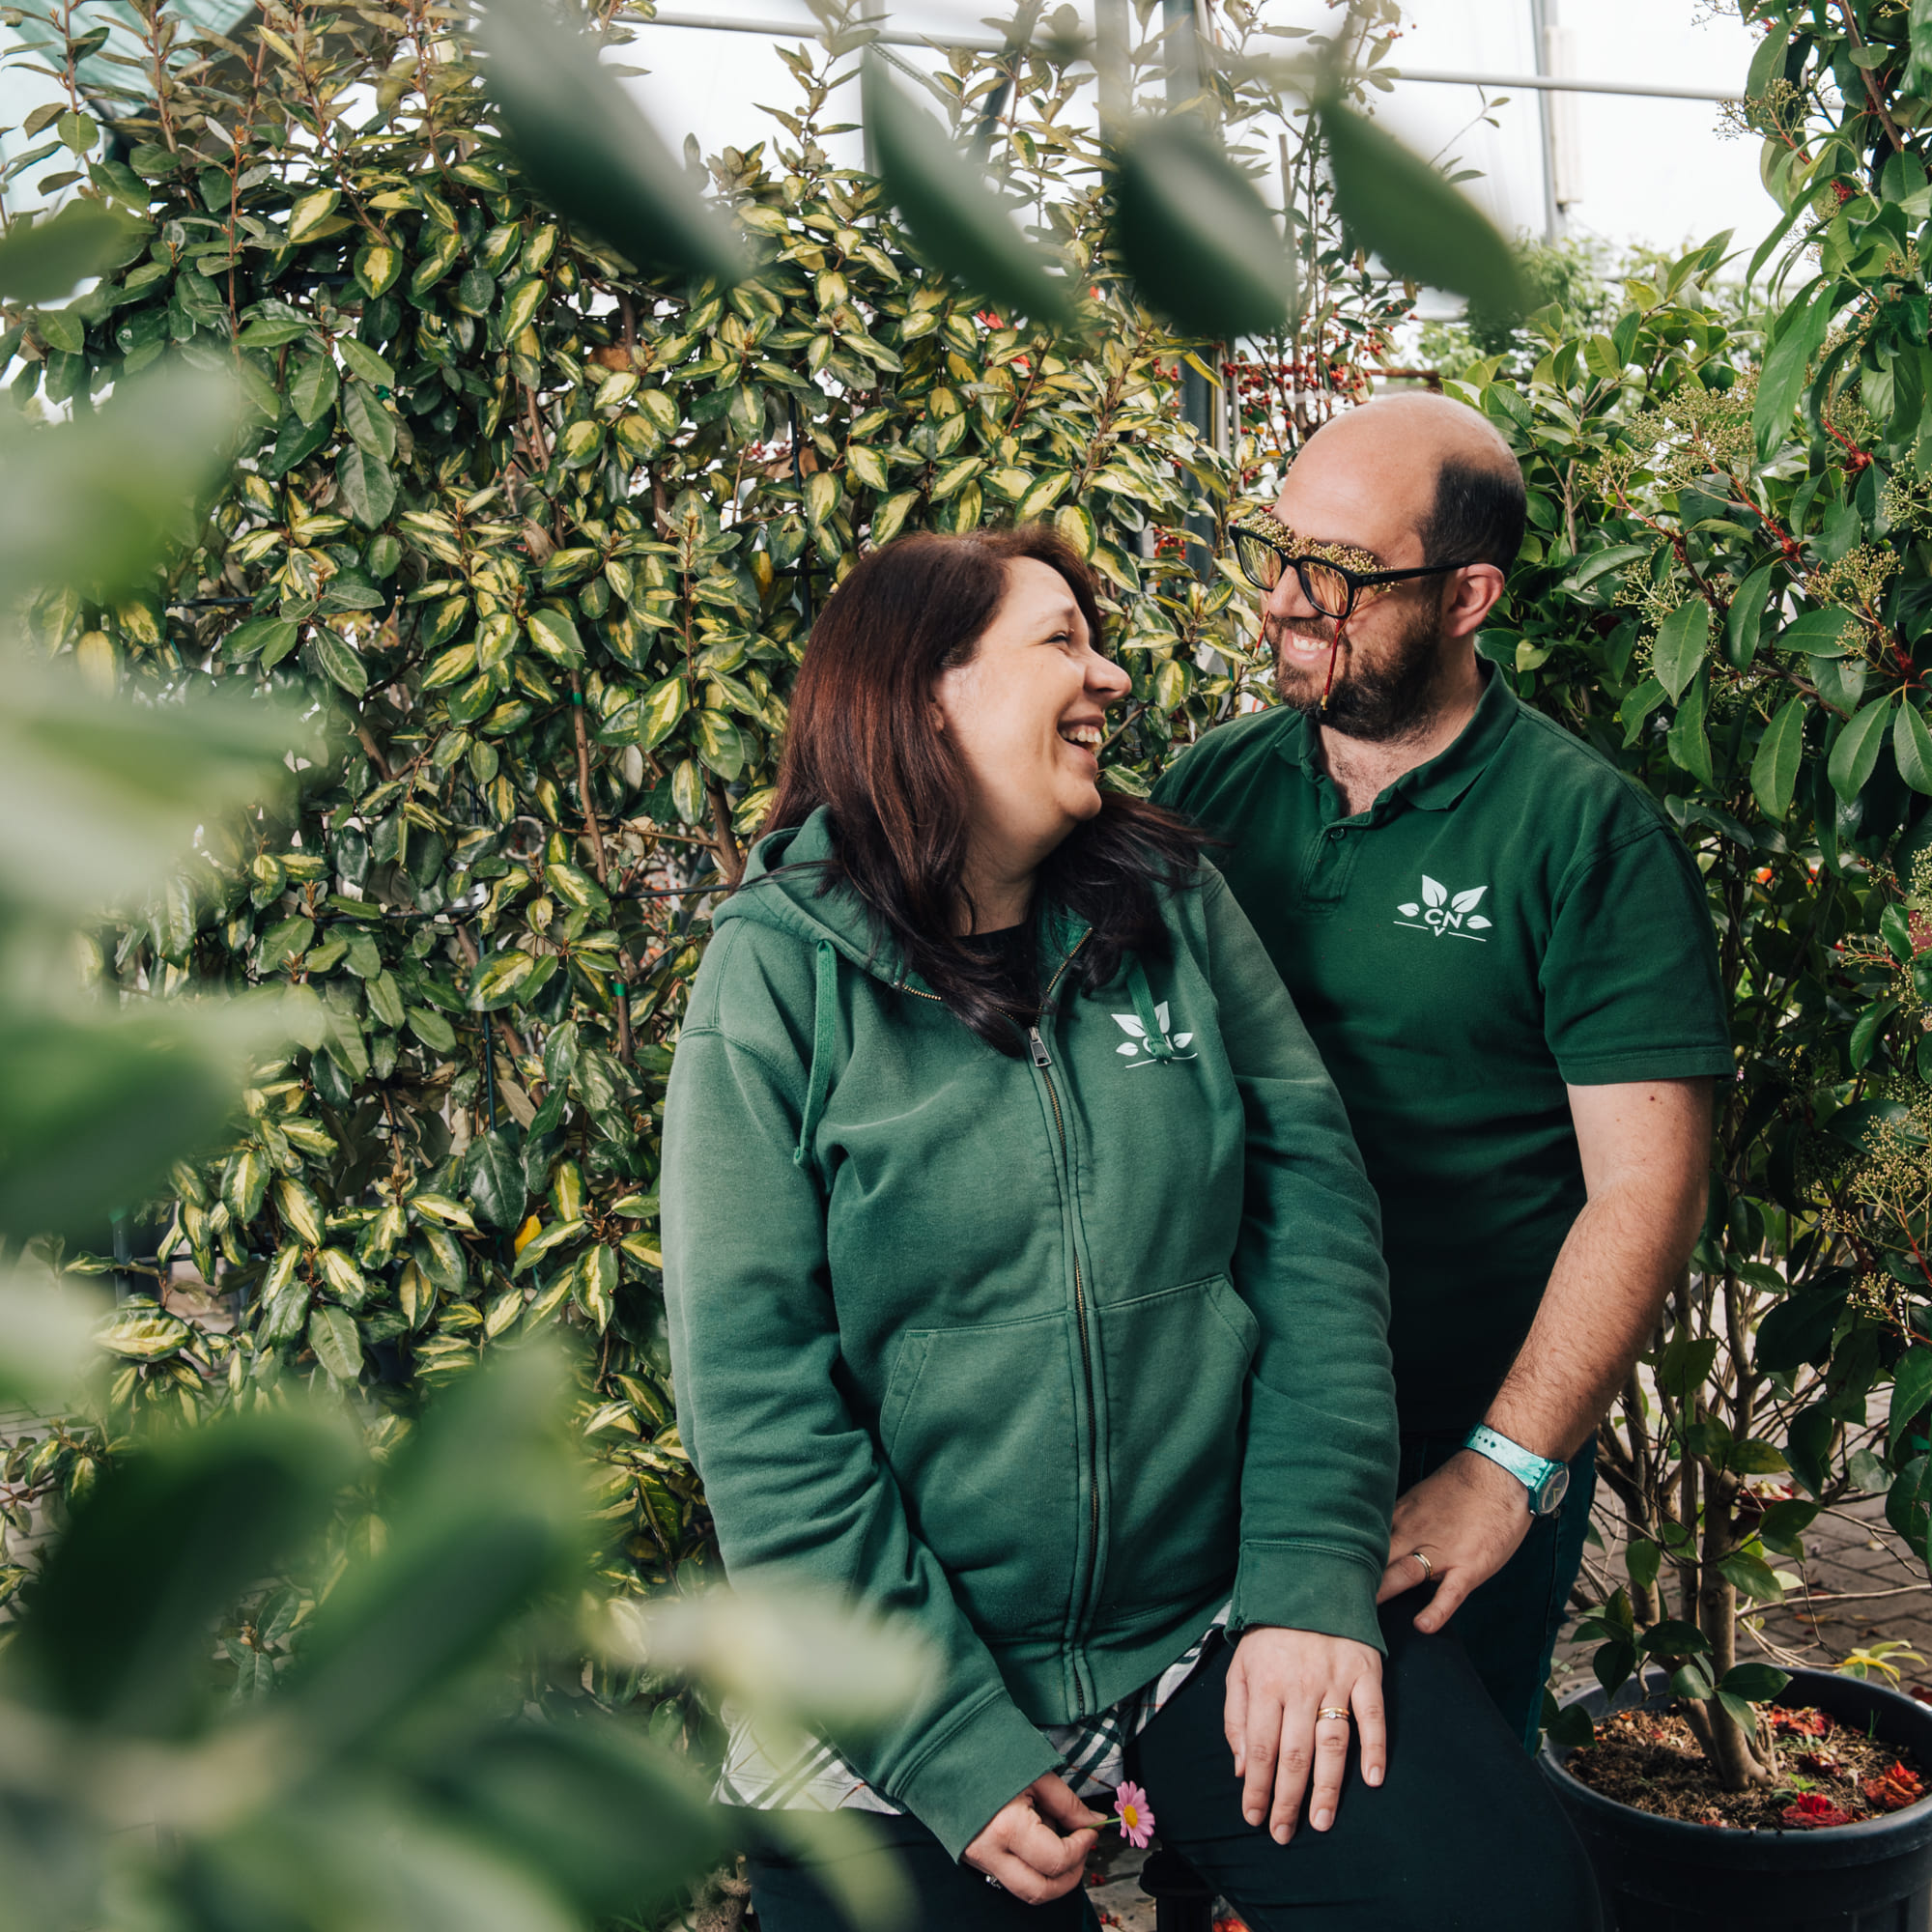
1038 1844
1279 1681
1467 1518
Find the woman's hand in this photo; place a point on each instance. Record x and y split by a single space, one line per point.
1038 1844
1279 1682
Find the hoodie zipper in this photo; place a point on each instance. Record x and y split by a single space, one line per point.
1042 1059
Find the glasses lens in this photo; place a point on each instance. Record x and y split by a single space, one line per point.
1326 587
1259 562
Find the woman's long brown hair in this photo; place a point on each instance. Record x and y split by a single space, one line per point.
860 741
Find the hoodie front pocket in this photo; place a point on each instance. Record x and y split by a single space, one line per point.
980 1431
1176 1370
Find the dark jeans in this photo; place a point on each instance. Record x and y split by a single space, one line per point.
1463 1836
1509 1626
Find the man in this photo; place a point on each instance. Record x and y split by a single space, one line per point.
1503 953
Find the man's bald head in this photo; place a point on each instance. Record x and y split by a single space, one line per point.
1436 465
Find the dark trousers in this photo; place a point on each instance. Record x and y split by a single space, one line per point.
1463 1836
1511 1624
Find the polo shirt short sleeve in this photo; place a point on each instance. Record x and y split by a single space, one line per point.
1512 918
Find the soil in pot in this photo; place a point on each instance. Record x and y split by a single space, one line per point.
1833 1775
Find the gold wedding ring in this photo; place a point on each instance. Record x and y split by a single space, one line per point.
1428 1568
1332 1710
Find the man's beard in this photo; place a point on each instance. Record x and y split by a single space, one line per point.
1387 699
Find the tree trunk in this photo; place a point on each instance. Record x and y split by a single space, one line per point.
1734 1752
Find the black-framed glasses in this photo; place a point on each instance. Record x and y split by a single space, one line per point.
1333 588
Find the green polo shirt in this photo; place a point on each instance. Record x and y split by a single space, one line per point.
1509 919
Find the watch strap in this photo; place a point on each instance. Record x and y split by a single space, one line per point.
1529 1469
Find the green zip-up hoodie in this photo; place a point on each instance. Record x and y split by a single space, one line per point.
1052 1355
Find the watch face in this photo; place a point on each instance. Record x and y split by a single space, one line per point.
1548 1494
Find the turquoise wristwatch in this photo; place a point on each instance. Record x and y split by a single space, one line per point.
1547 1481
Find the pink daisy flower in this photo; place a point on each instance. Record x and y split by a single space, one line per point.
1130 1806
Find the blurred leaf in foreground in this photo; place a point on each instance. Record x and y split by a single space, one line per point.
804 1656
391 1787
89 503
95 1107
40 261
589 149
957 220
102 799
45 1338
1201 243
1401 209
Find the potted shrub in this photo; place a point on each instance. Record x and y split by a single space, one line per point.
1731 498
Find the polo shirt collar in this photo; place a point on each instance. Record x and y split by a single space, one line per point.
1438 784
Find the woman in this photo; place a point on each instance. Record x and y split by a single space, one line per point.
1024 1282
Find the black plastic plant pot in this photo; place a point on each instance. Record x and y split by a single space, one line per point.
1662 1875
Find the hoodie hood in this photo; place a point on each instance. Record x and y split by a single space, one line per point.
785 887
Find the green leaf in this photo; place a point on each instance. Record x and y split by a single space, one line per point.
256 635
313 385
589 151
558 1234
366 486
1745 617
1692 1679
1912 747
891 515
1896 930
1687 742
1911 1390
722 745
41 262
1785 368
959 223
431 1028
364 361
498 977
1600 563
310 212
373 427
1856 749
555 636
1396 204
492 1175
1865 1032
659 712
1829 633
1672 1639
1774 772
338 1347
337 657
1683 641
1752 1577
1784 1523
1755 1682
1202 245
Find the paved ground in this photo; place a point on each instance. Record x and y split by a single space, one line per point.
1859 1590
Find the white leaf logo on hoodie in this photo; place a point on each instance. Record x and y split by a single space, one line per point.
1135 1049
1439 911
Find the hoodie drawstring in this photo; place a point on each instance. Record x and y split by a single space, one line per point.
1158 1045
824 1023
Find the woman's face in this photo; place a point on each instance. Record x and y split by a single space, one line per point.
1026 716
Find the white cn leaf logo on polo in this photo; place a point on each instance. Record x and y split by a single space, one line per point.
1441 911
1142 1049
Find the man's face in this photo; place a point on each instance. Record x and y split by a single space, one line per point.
1350 491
